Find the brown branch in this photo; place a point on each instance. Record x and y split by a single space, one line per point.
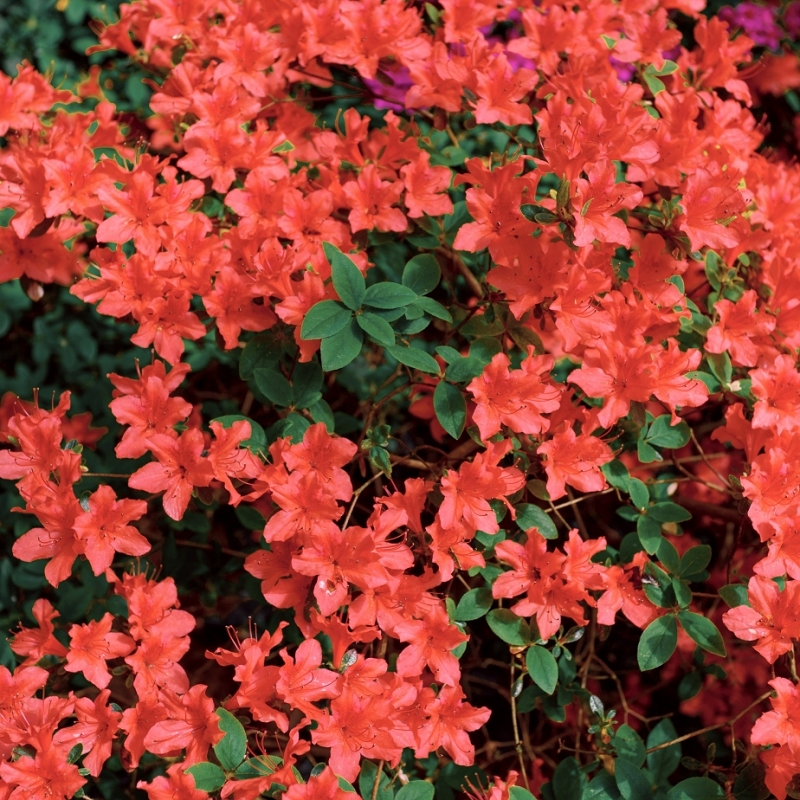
711 509
517 740
201 546
377 784
710 728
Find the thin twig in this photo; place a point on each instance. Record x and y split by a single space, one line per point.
377 784
577 500
356 495
517 740
710 728
578 515
202 546
706 461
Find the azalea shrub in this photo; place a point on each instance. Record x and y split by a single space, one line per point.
401 400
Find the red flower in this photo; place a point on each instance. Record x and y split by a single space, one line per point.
430 642
38 643
772 619
370 199
181 466
104 529
47 775
517 398
91 645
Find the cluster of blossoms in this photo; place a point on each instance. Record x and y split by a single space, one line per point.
622 291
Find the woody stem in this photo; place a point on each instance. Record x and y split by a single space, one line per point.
201 546
517 740
710 728
376 785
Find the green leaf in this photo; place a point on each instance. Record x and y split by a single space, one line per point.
683 594
344 784
415 358
663 434
646 453
415 790
473 605
629 745
631 781
696 789
735 594
258 439
695 560
293 426
322 412
464 369
639 494
662 763
231 749
569 781
389 295
702 631
379 457
450 407
749 784
712 384
667 68
542 668
523 337
518 793
414 312
667 511
339 350
422 274
602 787
366 782
649 534
433 308
376 328
273 386
531 516
509 627
433 12
307 381
258 767
714 267
448 354
720 366
527 700
690 684
347 278
668 556
539 214
661 596
658 642
653 84
617 475
485 348
208 777
261 351
325 318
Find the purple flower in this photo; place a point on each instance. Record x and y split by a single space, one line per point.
624 71
758 22
791 19
390 91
